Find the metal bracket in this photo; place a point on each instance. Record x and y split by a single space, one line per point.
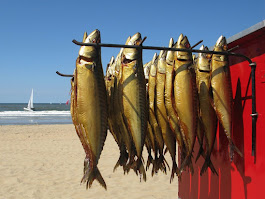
254 114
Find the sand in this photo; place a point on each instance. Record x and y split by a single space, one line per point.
46 161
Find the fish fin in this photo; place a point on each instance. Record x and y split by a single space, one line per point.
208 163
91 175
233 148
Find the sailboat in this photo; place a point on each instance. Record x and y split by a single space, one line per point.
30 104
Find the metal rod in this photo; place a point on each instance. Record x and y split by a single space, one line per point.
143 41
197 44
161 48
254 114
63 75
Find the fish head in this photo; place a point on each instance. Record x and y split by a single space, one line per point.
153 66
108 74
147 69
117 63
133 53
110 68
89 53
208 55
202 62
221 46
170 54
183 43
161 65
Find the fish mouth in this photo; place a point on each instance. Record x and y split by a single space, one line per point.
85 60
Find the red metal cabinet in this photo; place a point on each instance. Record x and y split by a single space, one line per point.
241 178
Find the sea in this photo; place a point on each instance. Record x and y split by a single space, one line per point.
44 113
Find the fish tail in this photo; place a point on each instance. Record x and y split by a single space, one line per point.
174 170
122 159
155 165
186 162
166 150
129 165
140 168
208 163
91 175
183 153
200 153
232 148
149 161
162 164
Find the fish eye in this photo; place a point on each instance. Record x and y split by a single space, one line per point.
187 45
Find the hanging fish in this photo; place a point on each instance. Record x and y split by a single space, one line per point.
169 98
127 151
185 94
222 91
147 70
160 162
134 100
149 139
161 112
207 116
111 86
89 110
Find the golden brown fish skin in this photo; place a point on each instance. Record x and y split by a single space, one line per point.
208 119
185 98
161 112
222 91
134 99
171 112
90 111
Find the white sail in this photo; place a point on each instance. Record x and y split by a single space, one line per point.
30 103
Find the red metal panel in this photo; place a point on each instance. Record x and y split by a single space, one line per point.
242 178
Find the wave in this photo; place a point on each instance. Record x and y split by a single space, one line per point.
34 113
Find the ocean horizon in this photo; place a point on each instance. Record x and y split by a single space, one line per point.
44 113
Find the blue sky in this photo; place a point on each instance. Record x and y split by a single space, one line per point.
36 36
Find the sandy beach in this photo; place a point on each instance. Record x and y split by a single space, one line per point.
46 161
